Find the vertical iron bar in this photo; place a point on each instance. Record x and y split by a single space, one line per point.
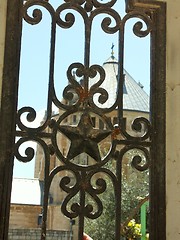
45 197
82 206
118 197
120 76
158 106
87 50
8 109
51 67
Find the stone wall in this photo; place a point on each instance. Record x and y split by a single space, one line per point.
35 234
26 217
172 120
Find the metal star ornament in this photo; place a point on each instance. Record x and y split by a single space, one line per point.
84 138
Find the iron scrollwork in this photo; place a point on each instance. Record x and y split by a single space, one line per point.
78 98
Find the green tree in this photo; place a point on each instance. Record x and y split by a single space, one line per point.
135 187
103 227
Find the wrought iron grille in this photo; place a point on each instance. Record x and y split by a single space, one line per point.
79 99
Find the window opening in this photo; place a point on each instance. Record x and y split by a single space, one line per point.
74 119
93 121
113 158
101 124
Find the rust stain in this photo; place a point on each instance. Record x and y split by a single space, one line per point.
83 94
115 133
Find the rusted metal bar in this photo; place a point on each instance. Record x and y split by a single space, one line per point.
8 110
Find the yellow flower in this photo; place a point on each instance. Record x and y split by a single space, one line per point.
133 230
138 225
131 223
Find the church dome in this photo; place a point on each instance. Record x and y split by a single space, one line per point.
134 96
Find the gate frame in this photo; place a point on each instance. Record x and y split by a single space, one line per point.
9 107
8 110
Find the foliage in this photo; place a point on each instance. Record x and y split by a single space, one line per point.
103 227
134 188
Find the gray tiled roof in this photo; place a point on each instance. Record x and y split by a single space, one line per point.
134 97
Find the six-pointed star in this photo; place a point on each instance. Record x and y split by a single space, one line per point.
84 138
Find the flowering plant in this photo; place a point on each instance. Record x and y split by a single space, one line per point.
132 230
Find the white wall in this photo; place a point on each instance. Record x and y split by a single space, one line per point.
173 120
3 6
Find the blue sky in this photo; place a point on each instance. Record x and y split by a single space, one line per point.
70 48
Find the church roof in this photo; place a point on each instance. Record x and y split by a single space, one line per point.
134 97
26 191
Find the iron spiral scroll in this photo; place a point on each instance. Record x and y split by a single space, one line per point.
78 98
